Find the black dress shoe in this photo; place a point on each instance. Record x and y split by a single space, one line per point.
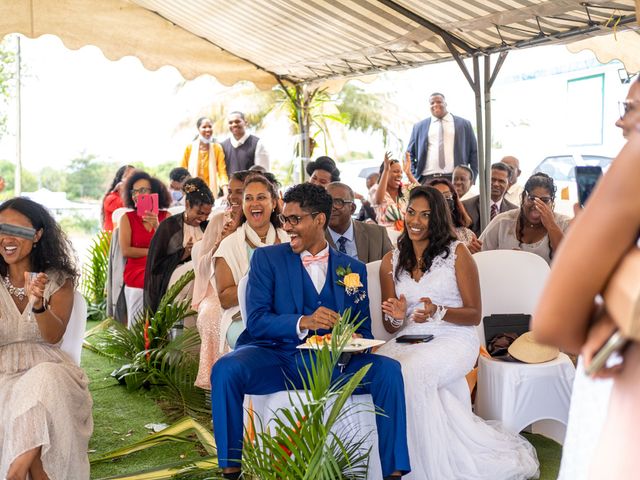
232 476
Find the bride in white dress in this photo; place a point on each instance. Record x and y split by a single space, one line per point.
431 285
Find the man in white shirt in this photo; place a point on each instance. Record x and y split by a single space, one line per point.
514 194
242 150
292 292
441 142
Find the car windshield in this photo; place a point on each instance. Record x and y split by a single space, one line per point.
562 167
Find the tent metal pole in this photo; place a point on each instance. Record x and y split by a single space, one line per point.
489 78
483 177
17 187
303 121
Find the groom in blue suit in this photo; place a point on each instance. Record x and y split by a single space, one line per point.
292 292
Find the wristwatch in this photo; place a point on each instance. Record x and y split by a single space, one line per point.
39 310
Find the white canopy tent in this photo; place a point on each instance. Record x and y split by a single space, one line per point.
306 42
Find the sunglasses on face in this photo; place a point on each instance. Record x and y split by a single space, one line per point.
547 200
140 191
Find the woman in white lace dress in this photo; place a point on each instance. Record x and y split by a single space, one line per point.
45 406
431 285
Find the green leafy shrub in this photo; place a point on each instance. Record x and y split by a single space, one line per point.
94 277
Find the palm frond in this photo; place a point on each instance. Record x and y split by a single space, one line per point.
300 442
94 276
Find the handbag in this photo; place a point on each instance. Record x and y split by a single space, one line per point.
622 295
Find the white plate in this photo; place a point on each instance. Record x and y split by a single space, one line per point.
355 345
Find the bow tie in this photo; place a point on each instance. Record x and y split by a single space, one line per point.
311 259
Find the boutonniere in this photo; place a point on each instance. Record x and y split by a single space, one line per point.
351 283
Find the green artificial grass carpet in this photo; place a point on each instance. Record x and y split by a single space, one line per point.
119 418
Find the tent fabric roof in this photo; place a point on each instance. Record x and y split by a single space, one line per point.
624 46
308 40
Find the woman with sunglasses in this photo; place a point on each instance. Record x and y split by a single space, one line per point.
259 227
135 233
534 227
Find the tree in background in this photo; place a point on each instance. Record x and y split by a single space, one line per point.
8 172
53 179
7 74
88 177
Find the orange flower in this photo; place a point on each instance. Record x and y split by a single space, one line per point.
398 225
147 341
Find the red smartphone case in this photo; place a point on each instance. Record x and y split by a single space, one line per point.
147 202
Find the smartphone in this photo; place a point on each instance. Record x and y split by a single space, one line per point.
147 202
17 231
414 338
611 349
586 178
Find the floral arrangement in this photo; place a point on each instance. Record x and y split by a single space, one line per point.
351 283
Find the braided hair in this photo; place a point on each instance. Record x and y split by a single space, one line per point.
197 192
537 180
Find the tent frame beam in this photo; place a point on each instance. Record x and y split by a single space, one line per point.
423 22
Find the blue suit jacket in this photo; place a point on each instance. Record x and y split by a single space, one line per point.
465 145
275 300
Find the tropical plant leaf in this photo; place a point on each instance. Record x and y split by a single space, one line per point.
94 276
179 431
299 442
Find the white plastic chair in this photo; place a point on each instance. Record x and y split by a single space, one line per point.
519 394
74 335
118 214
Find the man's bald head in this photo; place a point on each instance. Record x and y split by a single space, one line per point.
514 163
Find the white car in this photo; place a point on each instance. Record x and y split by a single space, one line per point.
562 169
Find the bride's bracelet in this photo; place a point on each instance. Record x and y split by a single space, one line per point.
438 315
394 322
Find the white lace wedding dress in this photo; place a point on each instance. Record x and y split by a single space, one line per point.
446 440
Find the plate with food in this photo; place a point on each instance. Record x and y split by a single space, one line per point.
355 344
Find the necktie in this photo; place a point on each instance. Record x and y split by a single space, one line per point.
494 210
441 162
310 259
342 244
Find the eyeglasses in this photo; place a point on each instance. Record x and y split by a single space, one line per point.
625 107
294 220
547 200
340 203
140 191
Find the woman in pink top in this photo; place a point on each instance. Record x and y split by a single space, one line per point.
136 232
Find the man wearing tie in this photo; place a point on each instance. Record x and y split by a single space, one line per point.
365 241
293 292
500 175
439 143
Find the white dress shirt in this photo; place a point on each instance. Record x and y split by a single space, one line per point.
350 244
261 157
318 273
514 194
433 138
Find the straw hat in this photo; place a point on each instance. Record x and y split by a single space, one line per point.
527 350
